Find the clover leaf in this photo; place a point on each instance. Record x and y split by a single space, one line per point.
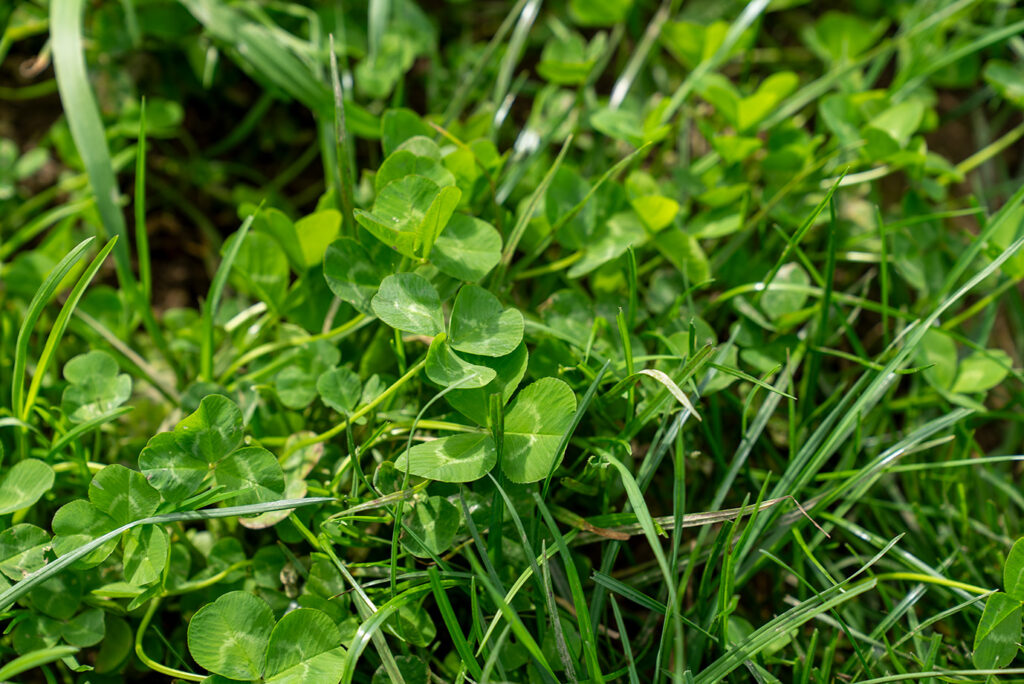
77 523
212 430
123 494
204 443
117 496
146 552
23 484
296 383
95 386
260 268
509 371
229 636
981 371
22 550
433 522
467 249
999 632
409 213
447 368
480 325
408 302
340 389
458 458
353 272
533 429
534 426
420 156
235 637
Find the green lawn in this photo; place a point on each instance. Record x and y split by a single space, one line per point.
487 341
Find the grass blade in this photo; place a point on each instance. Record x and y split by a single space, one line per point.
35 309
8 597
212 302
86 126
450 621
141 232
59 325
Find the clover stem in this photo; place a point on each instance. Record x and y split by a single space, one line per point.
150 663
365 409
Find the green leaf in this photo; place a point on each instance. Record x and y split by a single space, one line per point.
23 484
839 37
354 274
1007 80
255 472
467 249
116 645
418 156
458 458
534 426
620 124
567 59
408 302
176 463
447 368
146 551
398 125
692 43
85 629
755 108
599 12
413 624
260 267
509 370
611 239
123 494
275 223
76 524
95 386
779 303
59 597
981 371
436 219
1013 571
400 211
413 669
229 637
315 233
655 211
890 131
939 351
22 550
213 430
296 384
999 632
480 325
170 468
34 631
340 389
304 649
434 521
